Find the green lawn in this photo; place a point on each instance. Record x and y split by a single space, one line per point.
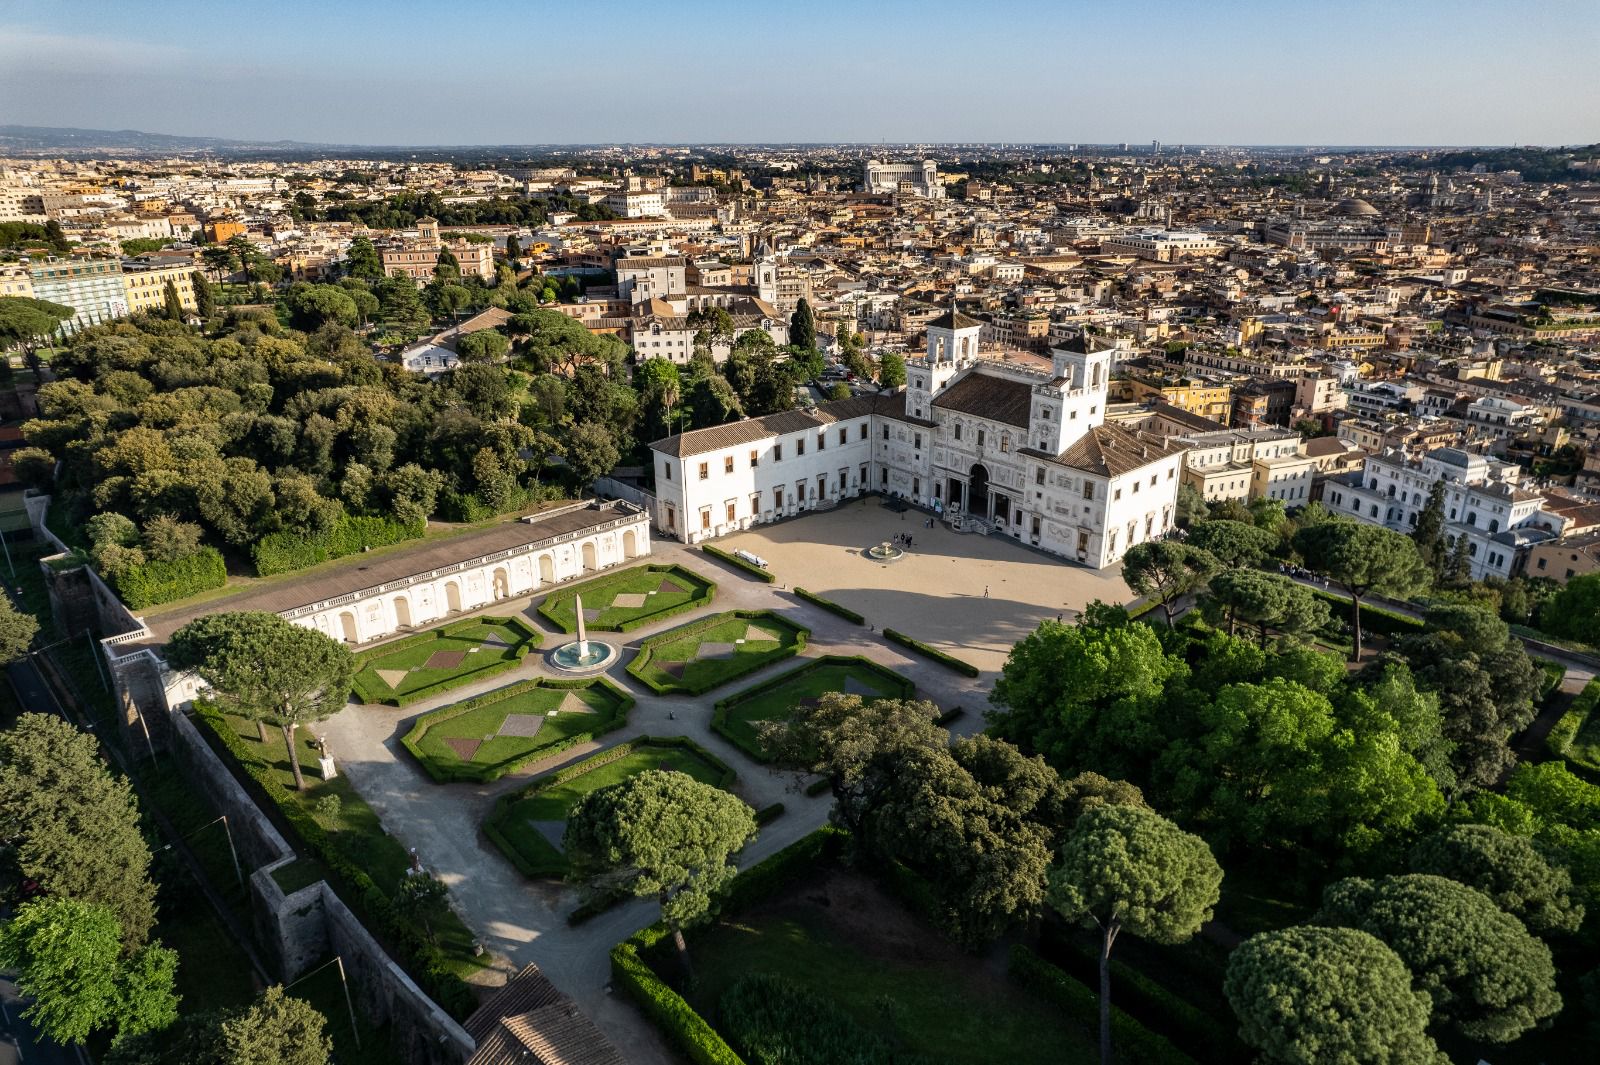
512 824
739 717
648 593
477 740
897 979
400 672
704 654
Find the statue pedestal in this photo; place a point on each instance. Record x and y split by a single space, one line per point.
329 771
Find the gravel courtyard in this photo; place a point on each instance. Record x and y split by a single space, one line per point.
937 592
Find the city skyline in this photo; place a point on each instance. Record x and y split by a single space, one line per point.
1249 73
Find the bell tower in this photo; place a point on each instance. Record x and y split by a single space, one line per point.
952 347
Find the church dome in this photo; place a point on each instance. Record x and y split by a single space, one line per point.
1350 207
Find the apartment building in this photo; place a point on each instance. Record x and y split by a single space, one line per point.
93 288
144 283
1483 502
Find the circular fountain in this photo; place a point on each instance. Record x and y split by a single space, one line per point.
885 552
582 655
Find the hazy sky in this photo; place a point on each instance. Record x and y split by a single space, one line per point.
476 71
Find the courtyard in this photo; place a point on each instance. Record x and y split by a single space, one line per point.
970 595
417 666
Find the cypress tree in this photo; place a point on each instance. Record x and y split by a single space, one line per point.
172 305
1429 533
803 326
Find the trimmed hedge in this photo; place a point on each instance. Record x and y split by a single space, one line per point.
1133 1042
830 606
1565 732
680 687
818 786
465 772
155 582
768 814
284 552
945 719
366 695
424 961
704 597
676 1019
966 669
1374 619
1554 674
738 563
1163 1012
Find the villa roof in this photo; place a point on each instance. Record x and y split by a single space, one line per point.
529 1021
1111 451
982 395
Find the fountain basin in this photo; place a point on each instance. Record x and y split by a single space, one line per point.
582 657
885 552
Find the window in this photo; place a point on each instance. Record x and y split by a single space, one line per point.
886 432
822 440
1088 489
1038 475
883 478
755 459
1171 474
916 486
705 470
705 519
863 435
1005 443
800 446
666 470
916 441
980 437
844 436
1135 487
727 464
958 430
672 518
777 452
733 511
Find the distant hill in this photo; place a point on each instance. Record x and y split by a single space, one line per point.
66 139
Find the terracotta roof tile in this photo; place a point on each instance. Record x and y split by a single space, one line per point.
984 396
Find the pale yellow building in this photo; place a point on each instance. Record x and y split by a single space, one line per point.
146 285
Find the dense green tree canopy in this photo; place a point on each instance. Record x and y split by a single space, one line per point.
75 826
1363 559
1328 996
1166 570
1488 977
663 835
68 958
1509 869
1574 612
1236 544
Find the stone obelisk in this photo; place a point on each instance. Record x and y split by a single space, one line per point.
583 637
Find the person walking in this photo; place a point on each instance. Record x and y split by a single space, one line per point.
986 591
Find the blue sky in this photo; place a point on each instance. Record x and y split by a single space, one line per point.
476 71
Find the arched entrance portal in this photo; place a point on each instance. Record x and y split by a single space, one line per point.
978 491
547 569
347 625
589 560
452 596
402 611
502 583
630 544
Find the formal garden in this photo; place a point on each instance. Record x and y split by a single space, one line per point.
527 824
416 667
739 717
695 658
626 600
483 739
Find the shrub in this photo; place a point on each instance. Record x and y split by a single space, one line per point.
1563 738
830 606
966 669
818 786
1554 674
768 814
738 563
1374 619
154 582
283 552
945 719
1133 1042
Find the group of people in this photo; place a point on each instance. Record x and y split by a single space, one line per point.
1302 574
902 540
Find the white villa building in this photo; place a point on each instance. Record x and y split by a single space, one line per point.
1483 501
1019 443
